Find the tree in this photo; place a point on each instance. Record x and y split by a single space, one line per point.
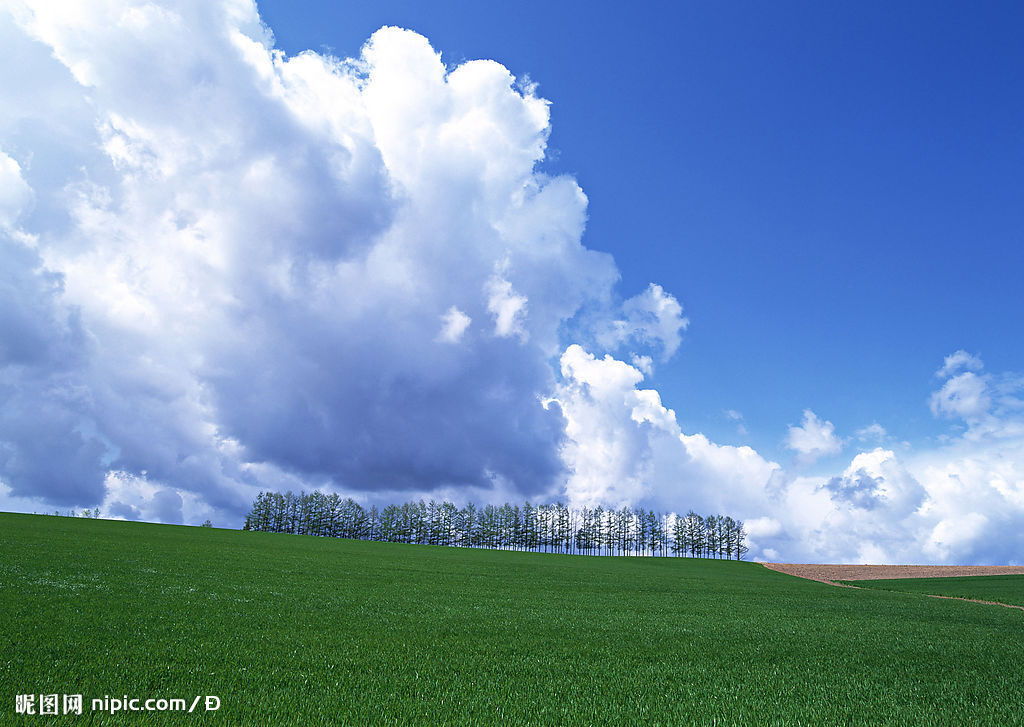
658 532
466 526
739 535
695 533
600 530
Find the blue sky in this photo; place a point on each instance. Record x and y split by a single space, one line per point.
675 256
832 191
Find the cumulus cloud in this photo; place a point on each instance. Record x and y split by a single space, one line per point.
952 534
453 324
623 446
813 438
957 362
876 480
931 506
872 432
507 307
936 505
247 270
964 395
960 502
651 318
988 405
132 497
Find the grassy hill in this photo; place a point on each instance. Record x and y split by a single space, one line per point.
307 631
1000 589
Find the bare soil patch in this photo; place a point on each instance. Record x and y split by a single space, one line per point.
832 573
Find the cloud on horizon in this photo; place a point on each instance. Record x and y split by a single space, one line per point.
223 269
813 439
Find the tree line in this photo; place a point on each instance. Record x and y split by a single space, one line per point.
542 528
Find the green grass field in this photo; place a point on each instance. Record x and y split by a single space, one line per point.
1001 589
305 631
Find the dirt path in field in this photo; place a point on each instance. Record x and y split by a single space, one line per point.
828 573
975 600
831 573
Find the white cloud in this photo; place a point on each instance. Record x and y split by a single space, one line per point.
653 317
814 438
250 267
876 479
624 446
952 534
941 505
873 432
963 396
989 405
959 361
760 527
453 325
507 307
644 363
607 448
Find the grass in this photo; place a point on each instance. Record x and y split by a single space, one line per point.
305 631
1001 589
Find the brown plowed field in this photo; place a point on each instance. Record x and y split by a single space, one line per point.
831 573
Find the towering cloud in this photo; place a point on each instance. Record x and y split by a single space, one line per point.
248 269
224 269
